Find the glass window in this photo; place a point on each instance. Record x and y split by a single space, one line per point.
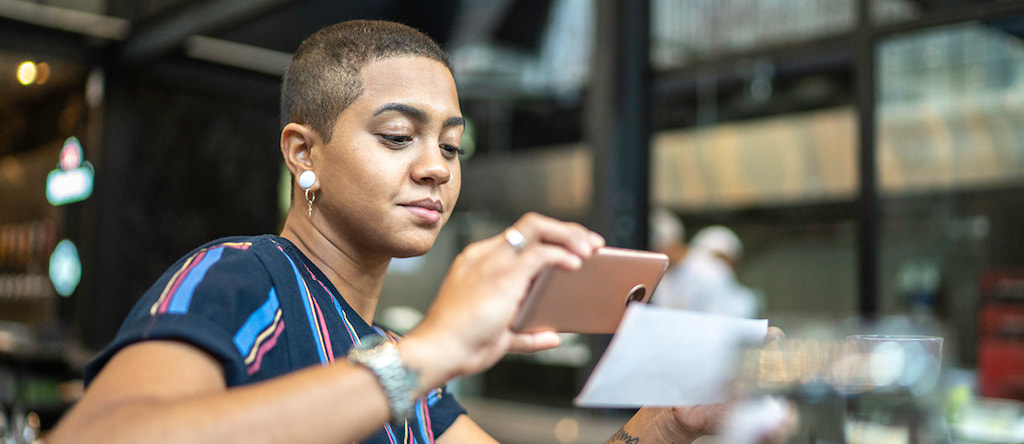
951 166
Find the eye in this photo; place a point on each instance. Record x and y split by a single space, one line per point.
395 140
452 150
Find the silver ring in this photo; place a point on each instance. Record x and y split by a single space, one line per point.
515 239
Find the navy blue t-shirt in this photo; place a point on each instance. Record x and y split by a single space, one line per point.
262 309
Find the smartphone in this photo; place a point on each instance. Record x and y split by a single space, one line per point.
593 298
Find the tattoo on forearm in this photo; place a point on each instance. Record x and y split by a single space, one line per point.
623 437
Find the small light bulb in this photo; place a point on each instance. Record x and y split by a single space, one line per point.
27 73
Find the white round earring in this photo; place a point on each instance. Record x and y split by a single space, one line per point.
306 180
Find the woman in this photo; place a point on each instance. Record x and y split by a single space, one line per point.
225 346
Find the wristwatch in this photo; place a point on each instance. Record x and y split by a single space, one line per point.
399 382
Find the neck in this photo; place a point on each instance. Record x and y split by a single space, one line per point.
357 277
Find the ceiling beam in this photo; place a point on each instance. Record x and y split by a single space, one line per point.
32 39
153 40
64 19
238 55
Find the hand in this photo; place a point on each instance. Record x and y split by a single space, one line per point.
469 322
710 419
716 419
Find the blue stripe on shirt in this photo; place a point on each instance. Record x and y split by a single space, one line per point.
258 321
321 352
183 296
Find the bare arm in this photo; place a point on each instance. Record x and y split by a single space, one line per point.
661 425
161 391
166 391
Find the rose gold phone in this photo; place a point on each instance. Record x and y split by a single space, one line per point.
593 298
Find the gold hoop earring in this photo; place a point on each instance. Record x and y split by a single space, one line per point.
309 200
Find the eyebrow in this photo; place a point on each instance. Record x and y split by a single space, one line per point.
417 114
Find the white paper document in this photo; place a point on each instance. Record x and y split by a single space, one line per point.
668 357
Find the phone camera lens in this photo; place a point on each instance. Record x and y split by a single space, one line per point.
637 294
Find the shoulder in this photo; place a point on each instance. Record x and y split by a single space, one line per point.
221 269
235 246
237 253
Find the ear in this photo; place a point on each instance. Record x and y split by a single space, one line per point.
297 142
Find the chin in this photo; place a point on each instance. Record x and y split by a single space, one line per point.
414 248
405 256
413 243
411 253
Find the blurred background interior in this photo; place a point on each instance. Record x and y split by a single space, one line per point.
865 151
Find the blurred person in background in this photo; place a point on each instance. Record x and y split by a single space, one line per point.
705 278
667 235
272 338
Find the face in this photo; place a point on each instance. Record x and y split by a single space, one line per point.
390 176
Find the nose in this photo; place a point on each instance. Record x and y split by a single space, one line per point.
431 166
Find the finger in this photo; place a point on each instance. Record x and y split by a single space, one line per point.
573 236
534 341
539 256
774 334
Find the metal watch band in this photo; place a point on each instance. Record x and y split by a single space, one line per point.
398 381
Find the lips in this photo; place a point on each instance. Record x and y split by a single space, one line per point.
427 204
427 211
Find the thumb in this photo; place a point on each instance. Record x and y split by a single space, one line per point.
534 341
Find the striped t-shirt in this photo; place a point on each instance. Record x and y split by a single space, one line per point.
262 309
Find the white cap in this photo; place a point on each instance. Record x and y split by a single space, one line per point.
720 240
666 228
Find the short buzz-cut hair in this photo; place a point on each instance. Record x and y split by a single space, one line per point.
323 77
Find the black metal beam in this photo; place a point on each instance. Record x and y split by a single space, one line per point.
150 41
617 122
825 54
868 214
32 39
963 12
184 74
